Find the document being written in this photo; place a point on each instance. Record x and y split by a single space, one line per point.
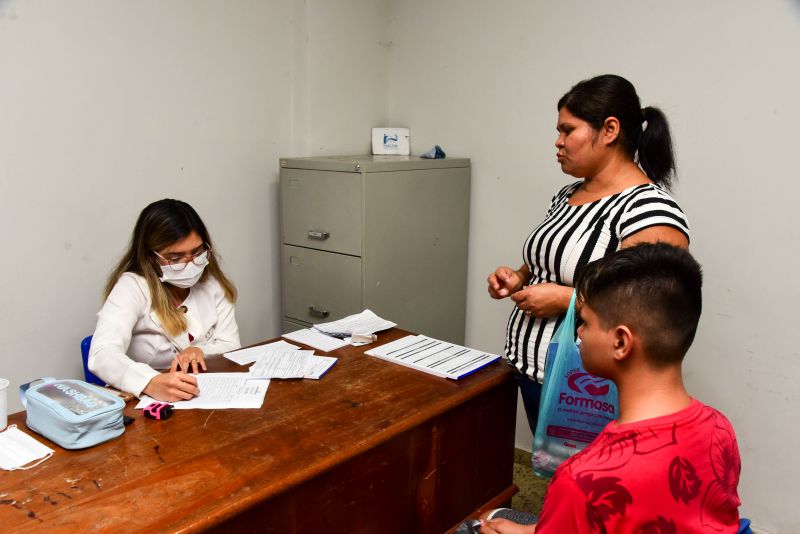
219 391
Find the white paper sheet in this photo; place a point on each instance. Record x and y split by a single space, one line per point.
251 354
282 364
221 391
315 339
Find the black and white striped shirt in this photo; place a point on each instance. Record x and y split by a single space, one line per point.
571 237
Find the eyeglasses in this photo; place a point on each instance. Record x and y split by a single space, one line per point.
178 262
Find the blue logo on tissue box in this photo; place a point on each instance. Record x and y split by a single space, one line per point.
390 141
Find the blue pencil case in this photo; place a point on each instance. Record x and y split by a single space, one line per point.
73 413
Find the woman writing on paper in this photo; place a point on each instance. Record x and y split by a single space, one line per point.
168 306
622 156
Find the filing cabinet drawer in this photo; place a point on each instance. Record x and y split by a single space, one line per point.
322 210
320 286
288 325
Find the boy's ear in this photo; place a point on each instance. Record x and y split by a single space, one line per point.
623 343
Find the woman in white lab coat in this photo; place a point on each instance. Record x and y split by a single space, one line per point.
168 307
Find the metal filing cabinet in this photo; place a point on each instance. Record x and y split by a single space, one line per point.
388 233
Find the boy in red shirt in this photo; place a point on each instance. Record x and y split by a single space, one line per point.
669 464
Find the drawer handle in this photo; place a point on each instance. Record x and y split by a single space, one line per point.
321 314
316 234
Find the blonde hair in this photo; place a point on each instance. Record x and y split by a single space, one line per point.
161 224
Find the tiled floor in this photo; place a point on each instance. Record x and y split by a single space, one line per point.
531 488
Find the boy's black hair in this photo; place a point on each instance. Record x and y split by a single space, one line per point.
654 289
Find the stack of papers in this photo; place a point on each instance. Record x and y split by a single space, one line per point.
291 364
252 354
281 360
336 334
365 322
434 356
315 339
318 366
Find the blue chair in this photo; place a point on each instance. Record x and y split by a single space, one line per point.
744 526
88 375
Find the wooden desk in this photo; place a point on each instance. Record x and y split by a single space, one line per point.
371 447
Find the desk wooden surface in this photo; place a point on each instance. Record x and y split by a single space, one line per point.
371 447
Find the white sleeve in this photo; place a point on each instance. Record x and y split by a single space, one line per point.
226 335
115 322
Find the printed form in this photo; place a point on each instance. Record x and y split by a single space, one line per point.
434 356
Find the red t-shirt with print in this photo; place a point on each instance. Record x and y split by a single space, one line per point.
670 474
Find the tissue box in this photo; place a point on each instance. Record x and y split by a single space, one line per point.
390 141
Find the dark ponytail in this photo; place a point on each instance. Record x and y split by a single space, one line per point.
609 95
655 153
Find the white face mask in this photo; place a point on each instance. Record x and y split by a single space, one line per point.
17 449
188 276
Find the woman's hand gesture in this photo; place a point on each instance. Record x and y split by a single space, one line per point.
543 300
505 281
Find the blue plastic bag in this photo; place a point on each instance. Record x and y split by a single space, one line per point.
575 406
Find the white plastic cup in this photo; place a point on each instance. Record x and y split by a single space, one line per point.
3 403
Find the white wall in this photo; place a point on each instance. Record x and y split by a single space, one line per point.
347 69
482 79
107 106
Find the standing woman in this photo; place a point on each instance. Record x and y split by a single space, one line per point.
168 306
622 155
